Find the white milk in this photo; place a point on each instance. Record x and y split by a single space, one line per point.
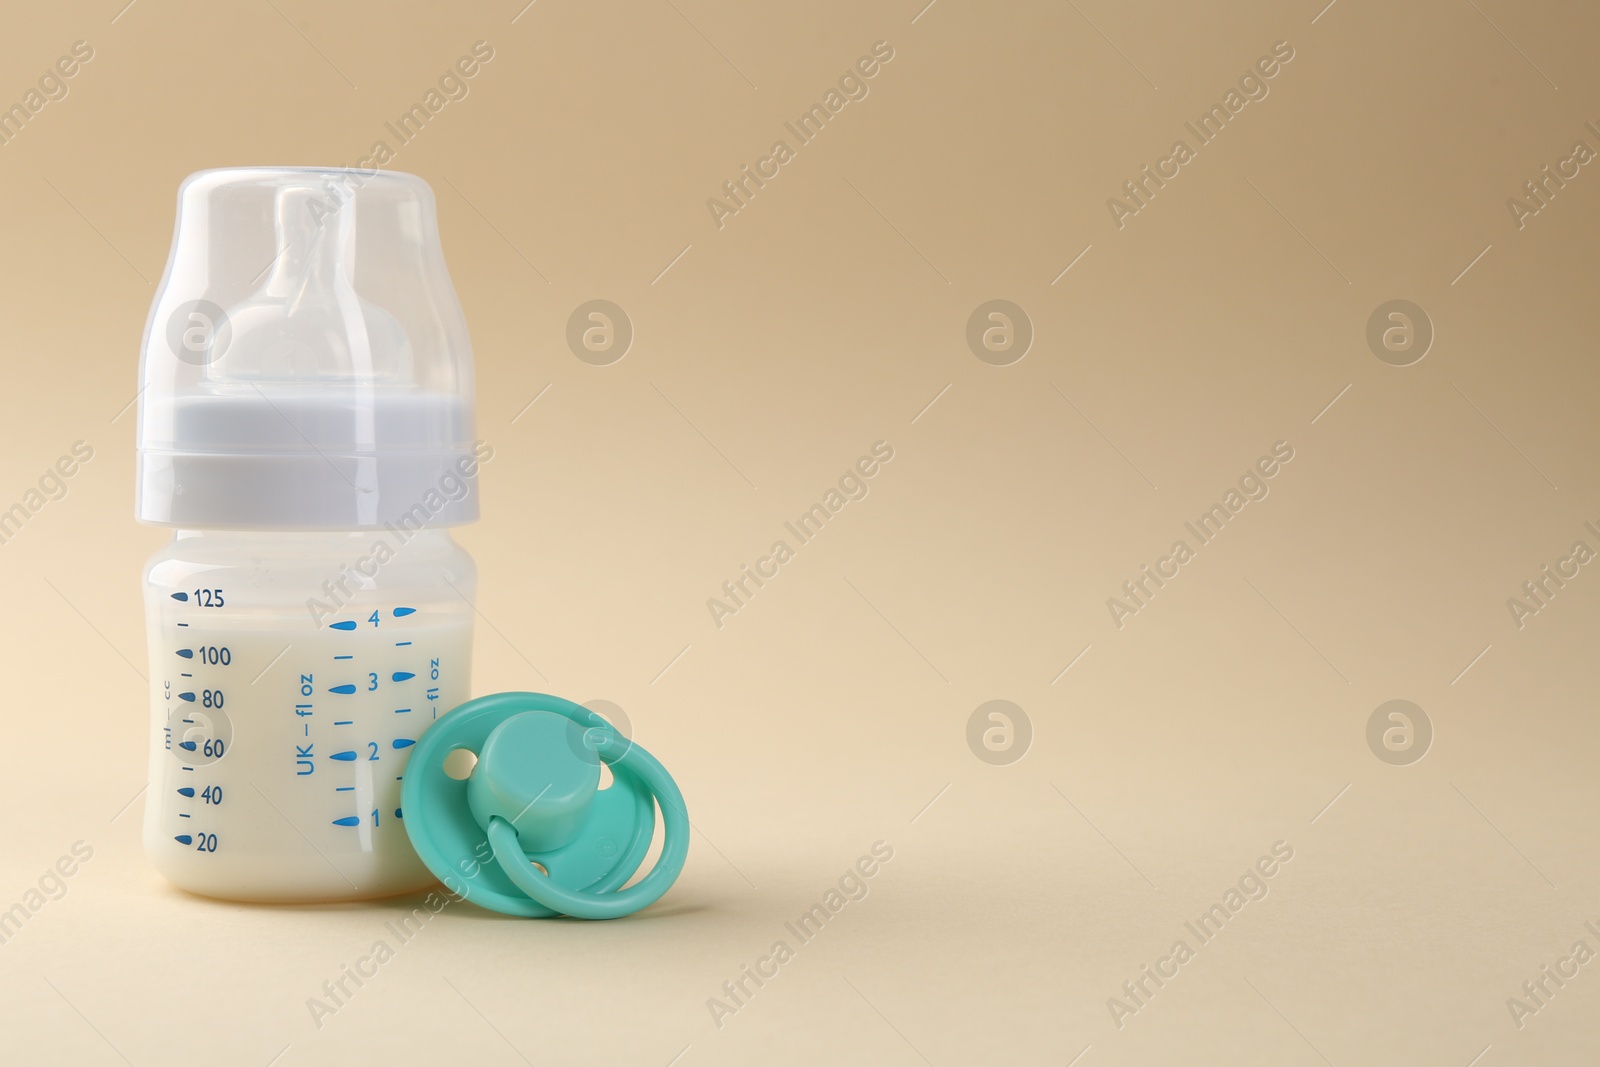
278 741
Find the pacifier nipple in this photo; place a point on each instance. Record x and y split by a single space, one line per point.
531 775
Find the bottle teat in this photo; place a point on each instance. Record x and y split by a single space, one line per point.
307 323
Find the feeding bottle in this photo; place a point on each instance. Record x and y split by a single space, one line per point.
306 432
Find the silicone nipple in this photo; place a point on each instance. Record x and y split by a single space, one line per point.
306 323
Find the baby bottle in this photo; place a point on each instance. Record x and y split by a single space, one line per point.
306 432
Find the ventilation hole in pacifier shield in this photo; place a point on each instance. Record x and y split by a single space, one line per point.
606 777
541 868
459 763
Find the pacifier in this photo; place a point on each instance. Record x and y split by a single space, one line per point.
528 830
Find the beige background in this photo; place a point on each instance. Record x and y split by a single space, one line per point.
827 715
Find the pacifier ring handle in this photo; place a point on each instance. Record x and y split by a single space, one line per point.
619 752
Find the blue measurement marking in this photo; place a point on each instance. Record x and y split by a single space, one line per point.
189 721
402 711
187 746
401 644
186 791
403 676
347 624
348 820
188 768
186 674
184 815
186 653
345 722
342 690
184 839
186 696
183 624
344 657
401 613
404 742
344 788
344 757
181 596
397 814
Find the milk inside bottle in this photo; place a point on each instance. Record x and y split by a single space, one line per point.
306 431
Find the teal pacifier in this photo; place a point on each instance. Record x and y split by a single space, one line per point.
529 831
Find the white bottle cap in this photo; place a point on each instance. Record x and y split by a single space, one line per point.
306 364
